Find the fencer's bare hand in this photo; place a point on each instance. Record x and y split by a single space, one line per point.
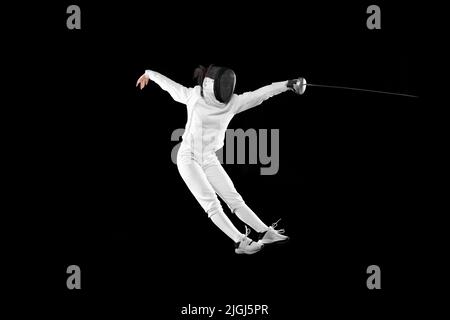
142 81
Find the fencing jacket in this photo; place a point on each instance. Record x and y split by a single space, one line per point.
207 118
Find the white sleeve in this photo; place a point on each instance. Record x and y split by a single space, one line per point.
251 99
178 92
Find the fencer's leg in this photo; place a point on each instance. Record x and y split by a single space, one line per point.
224 187
249 217
220 219
198 184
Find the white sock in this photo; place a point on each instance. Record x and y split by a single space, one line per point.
224 223
250 218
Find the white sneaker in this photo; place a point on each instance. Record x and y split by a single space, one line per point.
247 245
272 235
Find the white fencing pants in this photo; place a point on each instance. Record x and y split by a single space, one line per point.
205 178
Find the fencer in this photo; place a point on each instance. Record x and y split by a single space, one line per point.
210 107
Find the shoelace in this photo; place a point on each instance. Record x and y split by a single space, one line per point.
274 225
247 232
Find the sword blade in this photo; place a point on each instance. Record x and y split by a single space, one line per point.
360 89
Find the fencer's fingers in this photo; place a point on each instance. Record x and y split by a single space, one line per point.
142 81
139 80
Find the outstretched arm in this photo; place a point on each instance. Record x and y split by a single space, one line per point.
178 92
251 99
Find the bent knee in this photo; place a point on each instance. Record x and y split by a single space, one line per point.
236 205
217 209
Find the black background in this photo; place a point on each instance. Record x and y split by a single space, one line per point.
99 189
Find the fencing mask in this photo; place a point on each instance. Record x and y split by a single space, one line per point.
219 81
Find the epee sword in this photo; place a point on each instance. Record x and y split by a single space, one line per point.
300 87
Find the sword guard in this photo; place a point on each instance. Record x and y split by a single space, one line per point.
300 85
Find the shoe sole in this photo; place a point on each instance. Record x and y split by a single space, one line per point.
240 251
276 241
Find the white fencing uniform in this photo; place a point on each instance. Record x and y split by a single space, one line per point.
204 134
